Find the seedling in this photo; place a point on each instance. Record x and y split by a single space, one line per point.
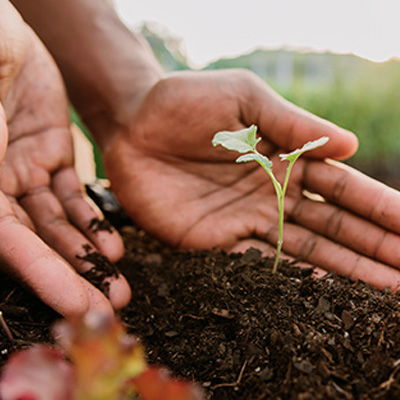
245 141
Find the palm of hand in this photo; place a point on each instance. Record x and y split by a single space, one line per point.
171 180
44 194
202 206
181 188
40 144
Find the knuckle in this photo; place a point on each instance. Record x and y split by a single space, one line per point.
308 246
339 188
355 273
379 245
334 224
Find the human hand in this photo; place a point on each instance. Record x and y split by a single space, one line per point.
156 143
41 194
171 180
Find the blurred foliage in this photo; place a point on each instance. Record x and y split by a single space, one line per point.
368 105
354 93
168 49
100 173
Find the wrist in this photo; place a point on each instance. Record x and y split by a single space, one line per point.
106 68
107 107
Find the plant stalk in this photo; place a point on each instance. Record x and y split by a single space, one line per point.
280 232
280 192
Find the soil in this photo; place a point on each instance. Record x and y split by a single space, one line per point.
242 332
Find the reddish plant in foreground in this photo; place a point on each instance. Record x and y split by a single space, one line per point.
105 364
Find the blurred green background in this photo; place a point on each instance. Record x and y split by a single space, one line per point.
355 93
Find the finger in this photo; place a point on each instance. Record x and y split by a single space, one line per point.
290 127
97 301
348 229
332 256
349 188
26 257
20 213
49 277
51 224
80 211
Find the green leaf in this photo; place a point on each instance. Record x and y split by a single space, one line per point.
263 160
307 147
242 141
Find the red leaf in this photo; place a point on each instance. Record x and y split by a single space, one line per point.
38 373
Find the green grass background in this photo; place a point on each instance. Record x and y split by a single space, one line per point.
359 95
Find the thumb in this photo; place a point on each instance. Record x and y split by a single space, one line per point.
289 127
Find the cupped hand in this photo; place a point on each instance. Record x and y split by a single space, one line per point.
44 216
171 180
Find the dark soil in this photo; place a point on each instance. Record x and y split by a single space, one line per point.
104 269
240 331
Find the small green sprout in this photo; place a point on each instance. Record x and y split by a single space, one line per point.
245 141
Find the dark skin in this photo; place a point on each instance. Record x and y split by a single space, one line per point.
203 199
155 132
44 216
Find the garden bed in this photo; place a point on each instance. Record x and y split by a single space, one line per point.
242 332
